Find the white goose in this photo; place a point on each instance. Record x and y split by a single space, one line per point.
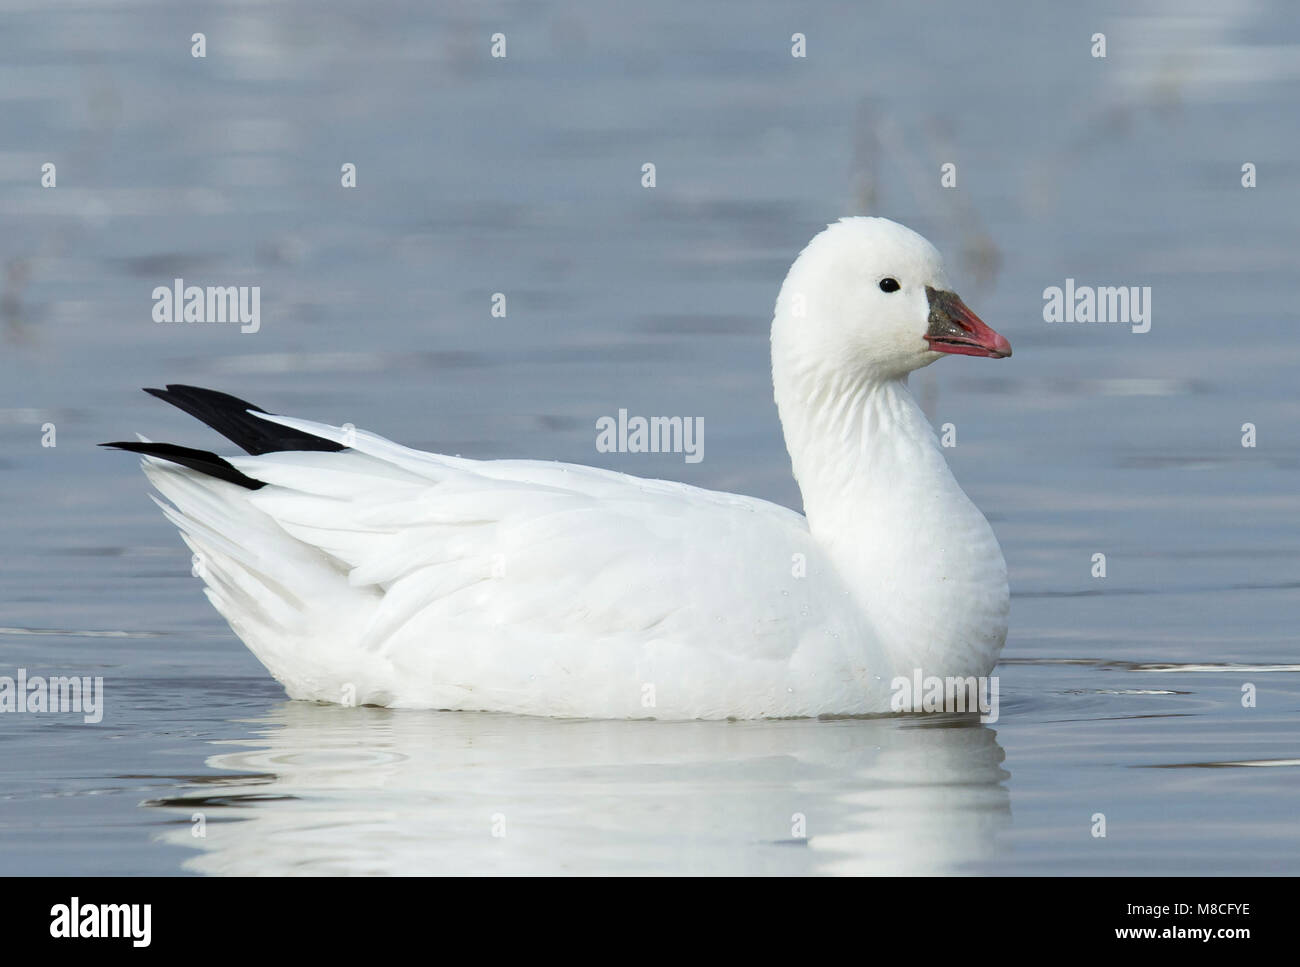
360 571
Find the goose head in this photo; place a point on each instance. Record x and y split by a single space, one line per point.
865 304
868 299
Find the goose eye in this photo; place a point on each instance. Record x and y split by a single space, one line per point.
889 285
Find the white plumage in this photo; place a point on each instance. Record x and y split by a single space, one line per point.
383 575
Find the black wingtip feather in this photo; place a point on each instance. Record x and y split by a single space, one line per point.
200 460
229 416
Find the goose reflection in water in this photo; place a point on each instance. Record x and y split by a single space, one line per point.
338 791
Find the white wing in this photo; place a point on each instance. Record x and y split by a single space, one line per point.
390 576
